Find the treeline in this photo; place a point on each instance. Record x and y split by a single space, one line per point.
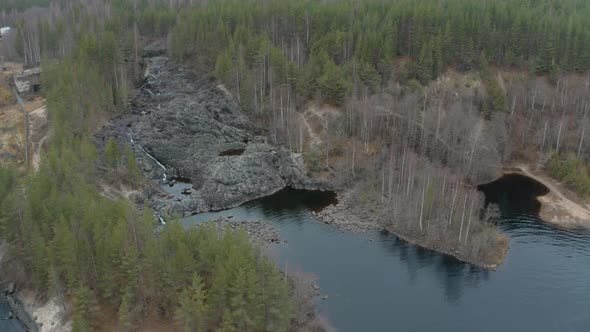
109 256
574 172
301 44
276 56
105 255
20 5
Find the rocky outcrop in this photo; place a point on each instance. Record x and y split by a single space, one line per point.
260 232
195 130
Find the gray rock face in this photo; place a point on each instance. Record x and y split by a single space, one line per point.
197 131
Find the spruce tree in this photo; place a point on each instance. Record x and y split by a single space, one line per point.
193 309
425 64
111 153
333 84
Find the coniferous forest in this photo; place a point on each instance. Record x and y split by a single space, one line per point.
379 62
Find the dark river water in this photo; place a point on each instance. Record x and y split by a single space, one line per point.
7 322
380 283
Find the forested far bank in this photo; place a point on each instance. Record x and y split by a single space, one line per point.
101 256
407 104
463 86
512 71
304 43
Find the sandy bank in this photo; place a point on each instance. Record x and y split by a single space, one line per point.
559 206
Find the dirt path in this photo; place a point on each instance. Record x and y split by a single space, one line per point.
50 316
314 139
38 131
314 120
555 206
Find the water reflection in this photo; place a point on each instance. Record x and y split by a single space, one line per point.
376 281
515 194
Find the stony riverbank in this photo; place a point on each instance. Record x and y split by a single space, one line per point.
13 315
346 216
22 306
260 232
304 285
349 215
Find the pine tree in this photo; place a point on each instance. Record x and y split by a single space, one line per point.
84 310
223 67
369 76
425 63
483 63
546 59
64 245
111 153
132 169
275 296
333 84
192 311
125 318
227 323
243 300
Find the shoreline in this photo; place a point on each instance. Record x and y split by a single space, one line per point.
439 250
167 203
304 286
20 313
10 292
345 216
557 208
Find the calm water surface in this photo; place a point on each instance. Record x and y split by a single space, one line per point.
7 322
379 283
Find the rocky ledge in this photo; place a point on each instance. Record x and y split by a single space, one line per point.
260 232
12 308
346 216
183 125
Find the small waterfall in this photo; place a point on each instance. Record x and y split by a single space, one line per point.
156 214
151 157
162 221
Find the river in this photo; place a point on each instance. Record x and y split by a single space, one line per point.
377 282
8 323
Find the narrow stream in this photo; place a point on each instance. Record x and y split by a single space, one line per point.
379 283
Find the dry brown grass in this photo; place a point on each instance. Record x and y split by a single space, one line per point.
12 130
496 256
11 135
6 96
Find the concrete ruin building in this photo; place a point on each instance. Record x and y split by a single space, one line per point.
28 82
4 31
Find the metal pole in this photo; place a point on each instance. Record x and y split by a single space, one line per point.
22 106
